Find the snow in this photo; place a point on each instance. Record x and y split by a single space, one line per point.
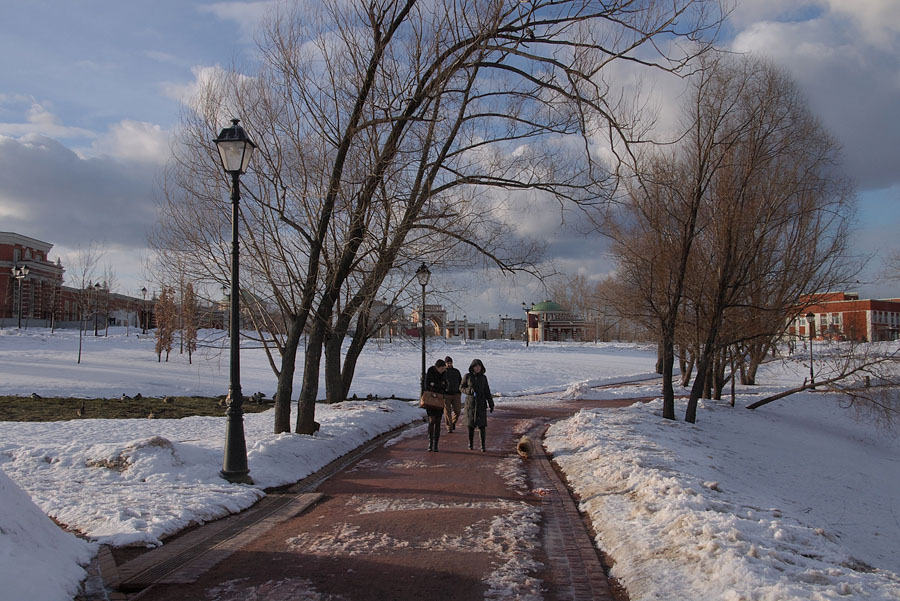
794 500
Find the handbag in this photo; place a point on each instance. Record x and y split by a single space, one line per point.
431 400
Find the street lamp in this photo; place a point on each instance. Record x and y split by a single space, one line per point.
96 308
423 276
144 317
235 149
20 273
810 320
465 328
525 308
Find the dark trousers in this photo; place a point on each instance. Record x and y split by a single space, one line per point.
472 436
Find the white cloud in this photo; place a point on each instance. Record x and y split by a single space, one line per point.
203 77
134 141
246 15
848 68
39 119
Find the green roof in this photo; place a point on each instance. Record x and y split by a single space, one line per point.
549 306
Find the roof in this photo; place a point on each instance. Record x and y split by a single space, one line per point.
548 306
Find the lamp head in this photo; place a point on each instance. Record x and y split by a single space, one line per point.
235 148
423 274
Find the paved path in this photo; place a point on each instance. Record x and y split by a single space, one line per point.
394 522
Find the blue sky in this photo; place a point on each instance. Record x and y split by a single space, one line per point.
91 89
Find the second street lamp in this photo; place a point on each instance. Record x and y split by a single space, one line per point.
810 321
235 149
96 305
525 308
423 275
144 318
20 273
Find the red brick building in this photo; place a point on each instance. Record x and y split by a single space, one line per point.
41 289
844 316
44 299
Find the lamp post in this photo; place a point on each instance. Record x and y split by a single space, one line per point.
810 320
96 309
20 273
144 317
465 328
235 149
227 298
423 276
525 308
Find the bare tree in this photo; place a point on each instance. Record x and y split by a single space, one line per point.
81 274
189 317
748 213
383 130
166 320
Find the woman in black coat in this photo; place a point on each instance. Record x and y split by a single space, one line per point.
435 381
478 399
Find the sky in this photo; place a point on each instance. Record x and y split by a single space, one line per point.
92 90
792 501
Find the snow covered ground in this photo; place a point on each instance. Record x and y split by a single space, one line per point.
791 501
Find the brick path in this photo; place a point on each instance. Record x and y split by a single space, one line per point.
393 522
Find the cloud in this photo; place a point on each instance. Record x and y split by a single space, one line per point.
848 69
134 141
245 15
49 192
39 120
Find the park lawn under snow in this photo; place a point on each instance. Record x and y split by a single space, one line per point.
792 501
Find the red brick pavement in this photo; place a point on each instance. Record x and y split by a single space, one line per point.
395 523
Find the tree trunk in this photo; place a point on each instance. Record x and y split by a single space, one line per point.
306 405
285 389
334 385
667 345
353 353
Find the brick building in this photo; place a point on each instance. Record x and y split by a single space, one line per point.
44 299
40 291
844 316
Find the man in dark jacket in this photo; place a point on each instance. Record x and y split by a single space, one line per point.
453 401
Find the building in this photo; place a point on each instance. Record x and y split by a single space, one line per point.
844 316
39 298
550 322
463 329
511 328
37 293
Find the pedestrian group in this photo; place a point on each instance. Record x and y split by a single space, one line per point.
445 379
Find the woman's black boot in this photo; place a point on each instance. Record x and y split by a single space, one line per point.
481 431
471 437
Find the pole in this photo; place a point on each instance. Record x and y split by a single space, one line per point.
526 328
812 377
21 281
422 331
235 467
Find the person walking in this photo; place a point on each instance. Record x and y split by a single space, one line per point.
478 399
435 381
452 403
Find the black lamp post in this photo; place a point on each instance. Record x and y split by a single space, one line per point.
144 317
423 276
810 321
525 308
20 273
96 308
235 149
